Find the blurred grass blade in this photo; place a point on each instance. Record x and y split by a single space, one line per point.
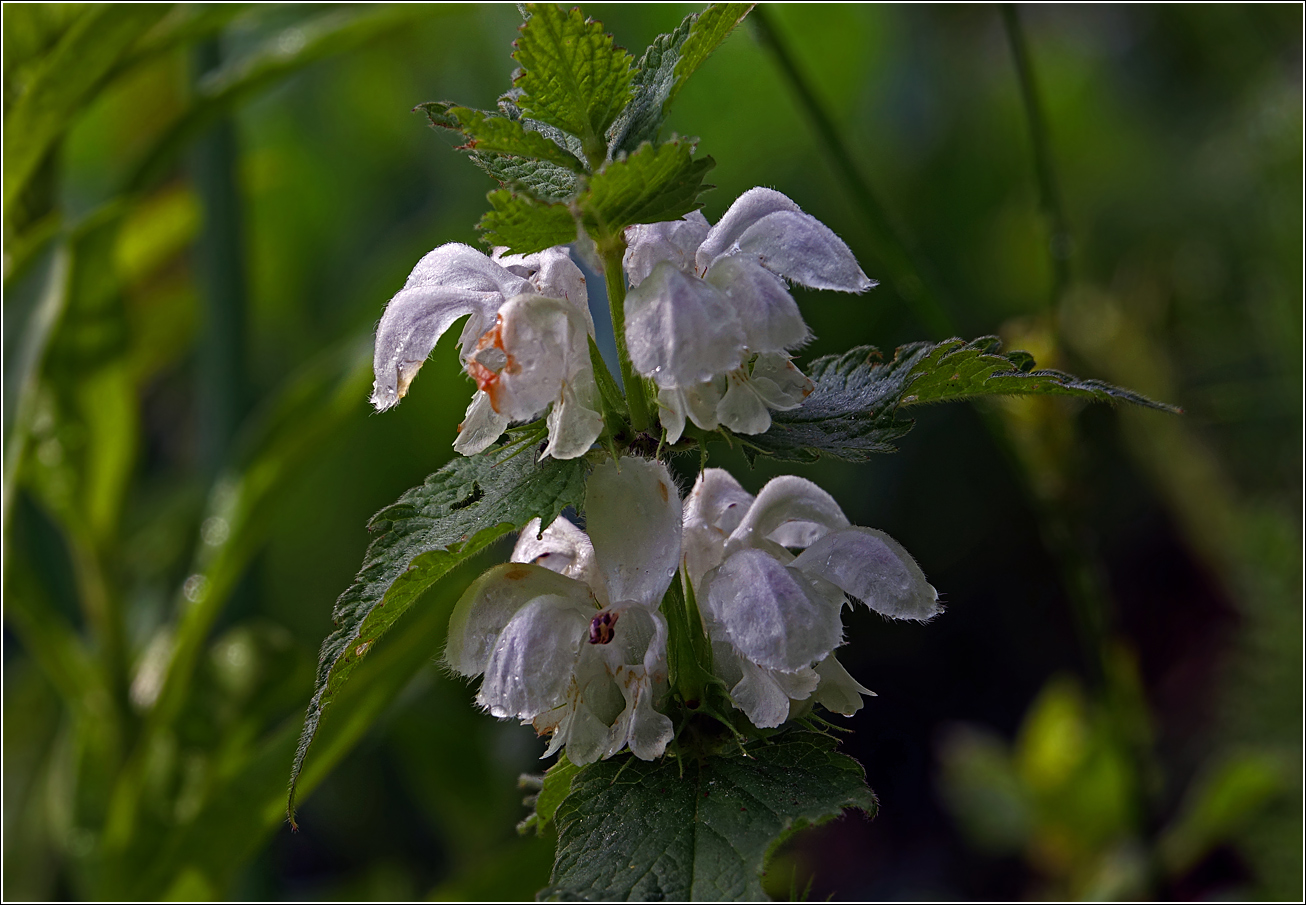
242 812
65 81
185 24
287 52
276 441
22 380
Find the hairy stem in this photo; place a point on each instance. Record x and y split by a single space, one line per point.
615 279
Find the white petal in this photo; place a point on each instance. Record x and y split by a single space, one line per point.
766 310
874 568
713 509
632 512
797 686
804 250
459 266
551 272
838 692
681 330
778 383
530 669
797 534
538 337
481 426
761 698
586 736
673 241
639 726
671 412
748 208
575 423
741 409
783 499
413 322
771 615
490 603
701 401
562 548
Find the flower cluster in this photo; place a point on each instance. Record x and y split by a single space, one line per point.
709 319
569 635
570 639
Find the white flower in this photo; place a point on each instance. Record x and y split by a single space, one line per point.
710 319
568 634
773 616
525 342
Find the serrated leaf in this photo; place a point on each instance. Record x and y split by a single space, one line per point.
638 830
852 413
457 511
958 370
665 67
556 787
575 77
650 185
525 225
540 178
488 133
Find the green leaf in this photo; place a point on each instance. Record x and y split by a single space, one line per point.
540 178
64 82
697 828
665 67
525 225
556 787
852 413
459 510
493 134
650 185
575 77
960 370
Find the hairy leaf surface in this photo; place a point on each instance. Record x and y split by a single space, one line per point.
459 510
638 830
525 225
665 67
575 77
852 413
652 184
490 133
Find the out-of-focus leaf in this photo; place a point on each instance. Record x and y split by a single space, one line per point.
185 24
65 81
241 812
639 830
979 785
458 511
524 225
489 133
575 77
23 363
652 184
666 65
852 411
292 49
1218 805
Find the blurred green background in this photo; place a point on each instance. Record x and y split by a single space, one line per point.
206 209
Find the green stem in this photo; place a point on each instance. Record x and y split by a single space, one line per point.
902 268
1049 197
615 278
